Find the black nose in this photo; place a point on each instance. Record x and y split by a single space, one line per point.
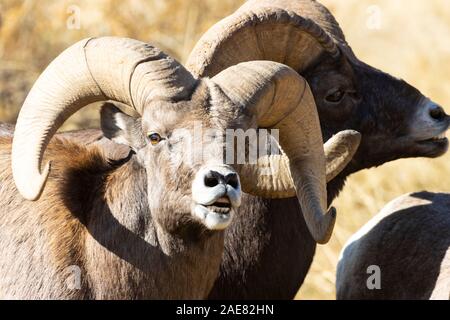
437 113
213 178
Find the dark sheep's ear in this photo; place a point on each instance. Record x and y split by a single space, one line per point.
120 127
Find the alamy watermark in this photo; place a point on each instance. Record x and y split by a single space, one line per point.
232 146
375 17
73 22
374 280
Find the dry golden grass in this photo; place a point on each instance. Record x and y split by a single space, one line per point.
408 38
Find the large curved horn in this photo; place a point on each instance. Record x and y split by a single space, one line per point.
97 69
276 96
256 32
270 176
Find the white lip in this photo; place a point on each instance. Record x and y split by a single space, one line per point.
224 200
213 220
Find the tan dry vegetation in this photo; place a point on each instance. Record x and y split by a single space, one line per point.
408 38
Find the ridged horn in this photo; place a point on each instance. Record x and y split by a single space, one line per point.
96 69
261 33
276 96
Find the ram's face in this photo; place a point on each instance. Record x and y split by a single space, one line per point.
397 120
181 146
185 165
394 118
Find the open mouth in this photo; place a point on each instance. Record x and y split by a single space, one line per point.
222 206
216 216
433 147
441 138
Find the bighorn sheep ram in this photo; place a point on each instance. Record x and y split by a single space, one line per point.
131 228
268 249
408 243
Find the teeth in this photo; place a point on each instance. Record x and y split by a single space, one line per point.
219 209
438 137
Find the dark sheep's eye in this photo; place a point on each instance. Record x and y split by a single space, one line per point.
154 138
335 96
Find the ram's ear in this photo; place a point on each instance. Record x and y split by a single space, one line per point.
120 127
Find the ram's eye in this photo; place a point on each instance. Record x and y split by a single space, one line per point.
335 96
154 138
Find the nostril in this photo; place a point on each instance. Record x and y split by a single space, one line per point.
437 113
211 180
232 180
214 178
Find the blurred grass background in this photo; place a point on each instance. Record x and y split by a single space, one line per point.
407 38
